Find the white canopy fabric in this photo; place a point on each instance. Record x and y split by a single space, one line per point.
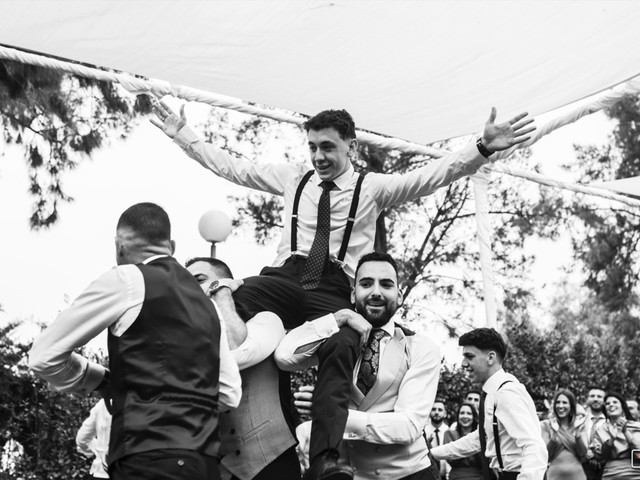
627 186
418 70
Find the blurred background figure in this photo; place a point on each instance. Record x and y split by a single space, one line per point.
469 468
92 439
614 440
632 405
563 434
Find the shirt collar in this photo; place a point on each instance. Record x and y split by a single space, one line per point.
389 328
151 259
494 381
341 181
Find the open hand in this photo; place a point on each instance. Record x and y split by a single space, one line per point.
169 123
500 136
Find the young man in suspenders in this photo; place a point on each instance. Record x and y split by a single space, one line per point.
508 434
330 217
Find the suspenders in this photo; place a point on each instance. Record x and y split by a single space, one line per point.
350 221
496 438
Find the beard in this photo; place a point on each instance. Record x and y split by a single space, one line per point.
376 312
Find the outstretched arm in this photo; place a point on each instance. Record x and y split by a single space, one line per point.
500 136
169 122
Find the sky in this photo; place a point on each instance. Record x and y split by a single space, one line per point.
42 271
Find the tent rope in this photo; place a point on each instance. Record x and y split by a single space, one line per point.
161 88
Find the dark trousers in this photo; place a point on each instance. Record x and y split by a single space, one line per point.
277 289
285 467
421 475
168 464
508 475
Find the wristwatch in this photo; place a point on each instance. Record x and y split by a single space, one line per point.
215 287
484 151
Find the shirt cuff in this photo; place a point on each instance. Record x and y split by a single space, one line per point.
356 427
325 326
185 136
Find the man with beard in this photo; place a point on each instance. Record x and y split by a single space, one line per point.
330 213
437 425
595 418
394 383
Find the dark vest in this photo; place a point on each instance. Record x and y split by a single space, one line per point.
165 367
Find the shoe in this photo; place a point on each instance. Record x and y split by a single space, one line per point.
326 467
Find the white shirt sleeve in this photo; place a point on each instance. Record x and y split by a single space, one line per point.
417 391
229 380
266 177
297 351
461 448
86 433
523 428
398 188
264 333
115 296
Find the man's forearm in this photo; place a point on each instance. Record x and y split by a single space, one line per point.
235 327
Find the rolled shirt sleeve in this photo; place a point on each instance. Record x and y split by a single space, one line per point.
229 380
264 334
297 351
112 301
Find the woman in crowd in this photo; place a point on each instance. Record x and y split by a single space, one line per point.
467 468
563 436
615 438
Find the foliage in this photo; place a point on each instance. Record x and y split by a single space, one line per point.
43 421
60 119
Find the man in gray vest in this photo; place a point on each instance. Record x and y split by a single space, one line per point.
257 438
392 393
331 213
170 369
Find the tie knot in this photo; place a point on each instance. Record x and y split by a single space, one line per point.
327 185
376 334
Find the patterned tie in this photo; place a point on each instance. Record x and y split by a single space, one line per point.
483 439
370 361
319 252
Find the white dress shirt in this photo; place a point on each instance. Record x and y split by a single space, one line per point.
415 397
379 191
521 445
113 301
264 333
92 438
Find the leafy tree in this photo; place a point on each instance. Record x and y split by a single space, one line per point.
43 421
59 120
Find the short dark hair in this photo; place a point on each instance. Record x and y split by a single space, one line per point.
473 390
596 387
148 220
440 400
221 268
340 120
623 402
485 339
377 257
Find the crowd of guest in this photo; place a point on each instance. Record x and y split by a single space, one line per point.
589 441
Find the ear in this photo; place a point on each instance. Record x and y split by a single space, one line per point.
353 146
491 358
172 243
400 297
353 295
